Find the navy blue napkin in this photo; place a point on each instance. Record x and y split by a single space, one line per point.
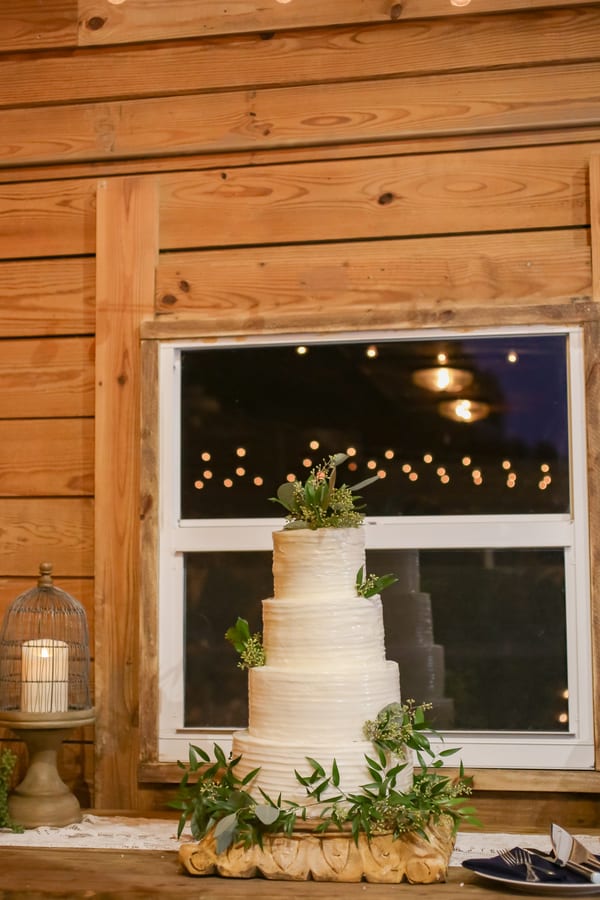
547 871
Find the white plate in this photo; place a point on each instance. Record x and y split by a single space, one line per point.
539 887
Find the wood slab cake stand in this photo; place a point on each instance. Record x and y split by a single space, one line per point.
332 856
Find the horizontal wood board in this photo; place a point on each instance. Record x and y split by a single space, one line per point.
47 218
484 191
46 457
388 110
38 529
141 20
46 377
256 288
495 190
47 297
318 56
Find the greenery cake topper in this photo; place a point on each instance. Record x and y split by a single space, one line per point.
320 502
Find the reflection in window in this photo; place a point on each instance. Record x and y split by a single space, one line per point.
468 628
479 634
468 426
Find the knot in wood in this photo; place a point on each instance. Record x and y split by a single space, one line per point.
385 199
168 299
396 11
95 23
184 286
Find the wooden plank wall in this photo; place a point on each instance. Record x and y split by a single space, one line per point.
325 166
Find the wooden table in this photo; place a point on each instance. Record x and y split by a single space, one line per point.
129 874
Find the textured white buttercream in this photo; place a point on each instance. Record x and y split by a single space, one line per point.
326 673
312 565
344 635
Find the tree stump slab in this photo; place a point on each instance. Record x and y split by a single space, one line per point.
331 856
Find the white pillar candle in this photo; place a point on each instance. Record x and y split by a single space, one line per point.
44 676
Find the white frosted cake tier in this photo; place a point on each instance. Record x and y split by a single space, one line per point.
313 565
333 706
279 760
345 634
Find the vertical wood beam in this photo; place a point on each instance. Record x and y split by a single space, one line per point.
127 252
149 687
595 224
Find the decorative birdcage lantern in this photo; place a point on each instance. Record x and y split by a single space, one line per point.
44 694
44 651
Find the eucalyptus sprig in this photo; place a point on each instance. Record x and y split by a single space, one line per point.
217 799
319 503
401 725
369 585
381 807
249 646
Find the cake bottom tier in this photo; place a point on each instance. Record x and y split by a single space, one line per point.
278 763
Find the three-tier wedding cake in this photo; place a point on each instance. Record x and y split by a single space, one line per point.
325 673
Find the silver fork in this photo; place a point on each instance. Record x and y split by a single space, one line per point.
519 857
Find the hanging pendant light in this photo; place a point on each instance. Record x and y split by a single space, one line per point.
463 410
443 379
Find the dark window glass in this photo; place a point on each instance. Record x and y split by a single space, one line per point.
220 587
478 633
253 415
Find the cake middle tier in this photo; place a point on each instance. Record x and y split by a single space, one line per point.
344 634
287 705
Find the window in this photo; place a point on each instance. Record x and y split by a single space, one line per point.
479 442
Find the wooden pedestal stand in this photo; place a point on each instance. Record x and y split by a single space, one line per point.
333 856
42 798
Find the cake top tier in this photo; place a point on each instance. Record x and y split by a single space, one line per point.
310 565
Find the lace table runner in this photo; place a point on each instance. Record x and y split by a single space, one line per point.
125 833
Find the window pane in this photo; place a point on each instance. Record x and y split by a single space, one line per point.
219 588
251 415
492 655
479 633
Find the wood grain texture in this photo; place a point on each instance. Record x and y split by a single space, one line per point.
459 143
126 259
33 24
141 874
47 377
595 224
316 56
46 457
437 277
393 109
149 528
50 218
485 191
143 20
57 530
47 297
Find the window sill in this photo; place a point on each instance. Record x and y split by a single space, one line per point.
517 780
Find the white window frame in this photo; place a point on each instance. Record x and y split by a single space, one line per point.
540 750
